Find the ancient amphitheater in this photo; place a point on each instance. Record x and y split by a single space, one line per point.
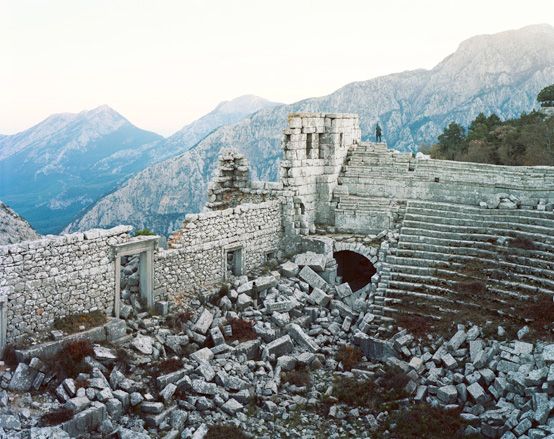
382 237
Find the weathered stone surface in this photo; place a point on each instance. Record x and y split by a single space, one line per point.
232 406
143 344
250 349
202 355
22 379
280 346
313 279
343 290
204 322
447 394
298 335
315 261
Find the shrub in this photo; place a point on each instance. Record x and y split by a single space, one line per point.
522 243
243 330
225 432
415 324
386 387
471 286
349 356
69 361
56 417
425 421
10 358
144 232
541 311
169 365
73 323
299 376
215 298
176 321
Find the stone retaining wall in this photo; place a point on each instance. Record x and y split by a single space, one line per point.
196 257
57 276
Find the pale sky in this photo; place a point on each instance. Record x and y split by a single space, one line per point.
164 63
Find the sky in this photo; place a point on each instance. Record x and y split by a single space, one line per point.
165 63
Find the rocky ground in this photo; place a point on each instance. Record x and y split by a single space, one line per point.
288 357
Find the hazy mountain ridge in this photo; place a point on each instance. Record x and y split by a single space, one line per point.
51 171
55 169
13 228
500 73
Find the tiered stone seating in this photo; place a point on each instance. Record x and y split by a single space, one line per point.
438 241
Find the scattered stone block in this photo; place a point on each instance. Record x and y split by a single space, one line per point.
298 335
289 269
313 279
22 378
343 290
204 322
281 346
315 261
447 394
202 355
143 344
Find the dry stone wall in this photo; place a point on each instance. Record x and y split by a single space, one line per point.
315 146
196 257
57 276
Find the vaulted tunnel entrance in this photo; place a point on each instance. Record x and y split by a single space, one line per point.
354 268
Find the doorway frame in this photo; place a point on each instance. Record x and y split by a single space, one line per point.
145 247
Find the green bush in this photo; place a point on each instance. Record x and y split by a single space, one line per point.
144 232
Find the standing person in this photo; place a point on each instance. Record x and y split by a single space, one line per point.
378 133
255 294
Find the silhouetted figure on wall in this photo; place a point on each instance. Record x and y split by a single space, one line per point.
378 133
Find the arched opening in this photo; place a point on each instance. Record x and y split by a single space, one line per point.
354 268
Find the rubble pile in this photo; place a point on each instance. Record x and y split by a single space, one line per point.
261 354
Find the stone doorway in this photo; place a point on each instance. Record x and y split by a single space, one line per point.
354 268
233 263
144 247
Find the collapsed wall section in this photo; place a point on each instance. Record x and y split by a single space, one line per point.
53 277
212 247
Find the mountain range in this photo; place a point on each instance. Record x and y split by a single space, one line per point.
52 171
500 73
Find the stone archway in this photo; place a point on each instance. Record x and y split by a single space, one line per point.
354 269
356 264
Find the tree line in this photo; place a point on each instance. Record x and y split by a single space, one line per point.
526 140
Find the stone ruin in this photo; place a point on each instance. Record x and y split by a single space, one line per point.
352 242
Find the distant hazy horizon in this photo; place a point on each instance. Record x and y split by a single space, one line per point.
164 64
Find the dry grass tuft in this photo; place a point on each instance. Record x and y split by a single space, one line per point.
225 432
349 356
56 417
69 361
425 421
243 330
378 393
299 376
73 323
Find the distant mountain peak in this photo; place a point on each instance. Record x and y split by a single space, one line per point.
243 104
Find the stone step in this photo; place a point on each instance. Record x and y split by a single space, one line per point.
538 285
440 260
538 225
465 211
494 230
408 270
526 258
489 243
